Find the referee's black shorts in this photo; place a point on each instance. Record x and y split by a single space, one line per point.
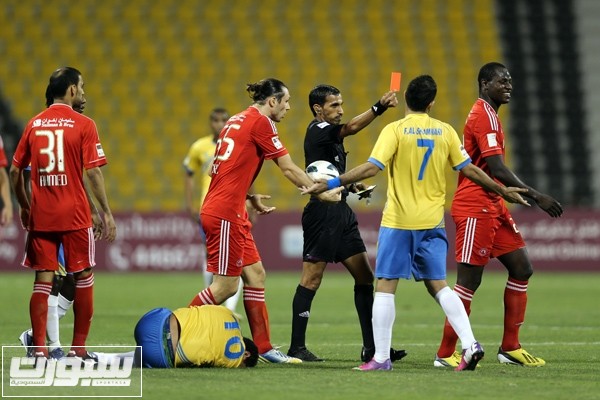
330 232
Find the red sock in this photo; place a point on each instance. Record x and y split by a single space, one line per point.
204 297
83 308
38 312
450 338
258 318
515 303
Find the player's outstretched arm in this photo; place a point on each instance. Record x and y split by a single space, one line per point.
500 171
97 186
299 178
363 171
510 194
357 123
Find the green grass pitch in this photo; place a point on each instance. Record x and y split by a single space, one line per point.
562 326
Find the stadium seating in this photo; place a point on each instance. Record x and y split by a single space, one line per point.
154 70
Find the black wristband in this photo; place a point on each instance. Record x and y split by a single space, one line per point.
378 108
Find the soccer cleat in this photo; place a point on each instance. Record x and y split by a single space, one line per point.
85 356
395 355
451 361
274 356
26 340
519 357
303 354
375 366
56 354
470 357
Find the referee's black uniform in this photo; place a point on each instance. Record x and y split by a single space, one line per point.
330 229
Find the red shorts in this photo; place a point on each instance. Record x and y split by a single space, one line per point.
229 246
479 239
41 250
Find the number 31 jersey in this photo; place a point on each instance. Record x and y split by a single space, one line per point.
416 150
59 143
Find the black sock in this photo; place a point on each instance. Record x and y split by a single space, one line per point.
300 313
363 300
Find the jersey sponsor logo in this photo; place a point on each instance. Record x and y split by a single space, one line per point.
323 124
491 138
99 150
277 143
36 123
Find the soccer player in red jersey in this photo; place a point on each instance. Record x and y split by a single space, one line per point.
484 226
6 213
248 138
59 143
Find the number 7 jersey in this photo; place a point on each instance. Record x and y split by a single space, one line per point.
59 143
416 150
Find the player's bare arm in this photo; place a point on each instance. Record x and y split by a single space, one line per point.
18 185
6 214
500 171
299 178
357 123
363 171
256 203
189 196
96 180
510 194
97 222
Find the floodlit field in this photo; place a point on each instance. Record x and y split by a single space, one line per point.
562 326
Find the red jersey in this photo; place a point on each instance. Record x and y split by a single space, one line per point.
3 160
483 137
59 143
245 142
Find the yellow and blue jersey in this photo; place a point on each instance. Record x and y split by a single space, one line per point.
415 150
198 159
210 336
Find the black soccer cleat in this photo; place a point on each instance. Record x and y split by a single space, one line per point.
304 354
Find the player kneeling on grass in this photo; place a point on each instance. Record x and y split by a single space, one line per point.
207 336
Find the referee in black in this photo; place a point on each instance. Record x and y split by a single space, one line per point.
331 230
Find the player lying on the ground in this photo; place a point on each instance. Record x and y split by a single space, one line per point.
207 336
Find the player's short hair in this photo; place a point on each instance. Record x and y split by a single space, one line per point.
488 71
253 350
218 110
318 95
152 332
420 93
59 82
260 91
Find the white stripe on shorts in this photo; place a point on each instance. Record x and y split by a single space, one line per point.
224 247
469 240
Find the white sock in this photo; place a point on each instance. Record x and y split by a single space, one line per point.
457 316
384 314
52 329
64 305
208 276
231 303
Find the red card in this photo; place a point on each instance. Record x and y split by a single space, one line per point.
395 82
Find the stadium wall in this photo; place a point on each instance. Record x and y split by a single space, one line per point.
161 242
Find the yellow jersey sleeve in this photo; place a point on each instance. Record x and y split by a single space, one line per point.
209 336
415 151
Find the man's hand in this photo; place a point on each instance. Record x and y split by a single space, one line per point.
511 194
256 202
389 100
111 229
25 218
319 186
6 216
331 196
97 226
550 205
